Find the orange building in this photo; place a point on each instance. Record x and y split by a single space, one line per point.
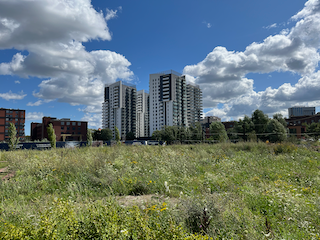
15 116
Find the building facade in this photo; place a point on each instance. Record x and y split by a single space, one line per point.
65 129
15 116
301 111
194 104
142 114
119 108
172 101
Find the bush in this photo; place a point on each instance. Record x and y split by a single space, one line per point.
283 148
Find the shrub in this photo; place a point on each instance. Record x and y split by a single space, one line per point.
13 141
284 148
51 135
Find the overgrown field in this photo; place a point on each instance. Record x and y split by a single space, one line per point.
222 191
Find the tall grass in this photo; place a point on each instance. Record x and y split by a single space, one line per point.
230 191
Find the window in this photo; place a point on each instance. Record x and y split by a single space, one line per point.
68 123
62 123
73 128
73 123
68 128
62 128
79 123
79 128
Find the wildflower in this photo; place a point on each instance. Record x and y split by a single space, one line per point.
166 186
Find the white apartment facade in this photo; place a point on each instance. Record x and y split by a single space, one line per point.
119 108
171 102
142 114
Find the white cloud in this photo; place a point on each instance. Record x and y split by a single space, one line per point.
111 14
17 82
37 103
52 33
274 25
222 74
32 116
12 96
94 120
208 25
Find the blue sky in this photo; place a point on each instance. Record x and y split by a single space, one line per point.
56 55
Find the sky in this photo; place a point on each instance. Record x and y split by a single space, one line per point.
57 55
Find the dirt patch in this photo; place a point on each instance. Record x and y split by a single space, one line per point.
8 176
4 170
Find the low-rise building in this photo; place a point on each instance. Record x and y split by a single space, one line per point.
65 129
15 116
301 111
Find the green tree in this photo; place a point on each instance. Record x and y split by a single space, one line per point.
13 140
313 130
218 132
244 127
260 121
89 138
280 119
116 134
51 135
276 131
169 134
157 135
130 136
106 134
196 132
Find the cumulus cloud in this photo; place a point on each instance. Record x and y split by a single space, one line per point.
17 82
33 116
222 74
94 120
12 96
52 32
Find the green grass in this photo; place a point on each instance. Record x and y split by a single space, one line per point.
222 191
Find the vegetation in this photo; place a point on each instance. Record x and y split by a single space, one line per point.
89 137
51 135
218 132
13 140
116 134
130 136
172 134
222 191
103 134
313 130
276 131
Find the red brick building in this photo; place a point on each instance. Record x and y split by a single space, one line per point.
65 129
296 125
15 116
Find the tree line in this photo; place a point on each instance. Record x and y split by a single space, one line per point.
258 126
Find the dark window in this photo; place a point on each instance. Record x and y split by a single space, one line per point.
62 128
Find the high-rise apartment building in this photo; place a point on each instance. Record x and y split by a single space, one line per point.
173 102
15 116
119 108
301 111
142 114
194 104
